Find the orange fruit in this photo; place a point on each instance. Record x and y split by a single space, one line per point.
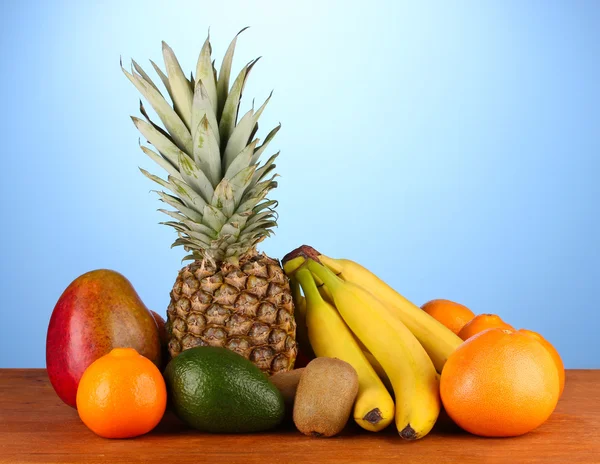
499 383
121 395
555 356
452 315
483 322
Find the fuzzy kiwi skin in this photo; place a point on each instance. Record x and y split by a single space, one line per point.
287 384
325 396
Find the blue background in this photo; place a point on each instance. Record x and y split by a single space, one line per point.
451 147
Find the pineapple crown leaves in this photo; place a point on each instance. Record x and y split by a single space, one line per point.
215 182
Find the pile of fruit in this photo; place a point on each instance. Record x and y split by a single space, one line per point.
491 379
238 323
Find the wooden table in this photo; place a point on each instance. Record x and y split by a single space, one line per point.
35 426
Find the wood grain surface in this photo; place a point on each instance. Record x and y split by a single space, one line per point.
35 426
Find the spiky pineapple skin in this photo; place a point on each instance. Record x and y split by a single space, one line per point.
246 308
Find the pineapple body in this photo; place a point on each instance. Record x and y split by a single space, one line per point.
247 308
217 185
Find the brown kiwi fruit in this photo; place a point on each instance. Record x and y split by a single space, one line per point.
325 396
287 384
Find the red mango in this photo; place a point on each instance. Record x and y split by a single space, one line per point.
99 311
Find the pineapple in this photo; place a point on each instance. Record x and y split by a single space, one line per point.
230 295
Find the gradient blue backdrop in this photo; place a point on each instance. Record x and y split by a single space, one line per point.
452 147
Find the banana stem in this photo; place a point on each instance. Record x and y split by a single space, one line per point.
309 286
324 274
290 267
331 264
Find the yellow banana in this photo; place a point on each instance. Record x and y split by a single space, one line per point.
372 361
298 298
330 337
325 293
439 341
300 316
379 370
409 368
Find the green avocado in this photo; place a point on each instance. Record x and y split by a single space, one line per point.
216 390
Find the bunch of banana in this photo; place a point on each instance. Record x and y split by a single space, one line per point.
349 313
